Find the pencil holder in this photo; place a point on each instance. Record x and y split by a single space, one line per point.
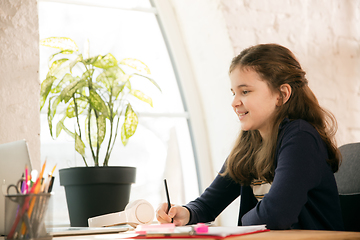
24 216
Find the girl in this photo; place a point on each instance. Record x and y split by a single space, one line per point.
283 161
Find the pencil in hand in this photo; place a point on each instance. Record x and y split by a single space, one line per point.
168 197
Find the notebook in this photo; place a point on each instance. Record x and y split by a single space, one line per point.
13 158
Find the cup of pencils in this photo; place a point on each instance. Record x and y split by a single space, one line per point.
26 204
24 216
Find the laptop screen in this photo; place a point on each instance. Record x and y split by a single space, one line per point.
14 156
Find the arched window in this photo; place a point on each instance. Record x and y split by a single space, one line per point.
163 145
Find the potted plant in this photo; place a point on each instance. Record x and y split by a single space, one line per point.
95 92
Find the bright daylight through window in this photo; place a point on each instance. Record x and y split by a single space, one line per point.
162 144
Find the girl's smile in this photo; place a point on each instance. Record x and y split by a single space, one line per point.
241 115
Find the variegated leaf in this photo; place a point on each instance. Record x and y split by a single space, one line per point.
98 103
45 89
136 64
130 122
62 43
79 145
143 97
105 62
67 93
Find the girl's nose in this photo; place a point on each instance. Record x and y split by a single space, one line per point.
236 102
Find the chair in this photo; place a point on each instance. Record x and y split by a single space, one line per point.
348 183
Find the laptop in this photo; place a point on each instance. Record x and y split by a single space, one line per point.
68 231
13 158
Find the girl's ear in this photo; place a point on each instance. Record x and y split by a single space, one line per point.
285 91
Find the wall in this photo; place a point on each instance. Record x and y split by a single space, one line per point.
323 34
19 80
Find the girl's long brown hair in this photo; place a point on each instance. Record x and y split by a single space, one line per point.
253 157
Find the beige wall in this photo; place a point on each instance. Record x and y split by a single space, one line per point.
19 79
323 34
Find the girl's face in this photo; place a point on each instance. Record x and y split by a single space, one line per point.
254 103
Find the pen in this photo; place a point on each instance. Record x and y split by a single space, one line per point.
168 198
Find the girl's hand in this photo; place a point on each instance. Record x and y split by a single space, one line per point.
179 214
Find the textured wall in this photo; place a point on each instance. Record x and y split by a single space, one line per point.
323 34
19 80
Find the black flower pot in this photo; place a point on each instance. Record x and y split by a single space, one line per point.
94 191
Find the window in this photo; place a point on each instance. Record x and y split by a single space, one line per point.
162 144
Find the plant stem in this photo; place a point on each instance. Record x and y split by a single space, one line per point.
89 136
89 79
115 135
111 119
98 136
108 151
78 123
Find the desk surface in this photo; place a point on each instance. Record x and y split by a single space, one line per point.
271 235
300 234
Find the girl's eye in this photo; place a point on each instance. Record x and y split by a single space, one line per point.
245 92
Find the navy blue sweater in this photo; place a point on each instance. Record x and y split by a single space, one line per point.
303 194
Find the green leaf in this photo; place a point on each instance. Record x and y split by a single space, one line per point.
52 111
62 43
49 118
128 85
150 79
101 124
140 95
45 89
124 139
68 78
117 90
67 93
125 78
90 61
61 52
56 67
98 103
109 77
105 62
136 64
79 145
81 104
130 124
60 126
70 110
